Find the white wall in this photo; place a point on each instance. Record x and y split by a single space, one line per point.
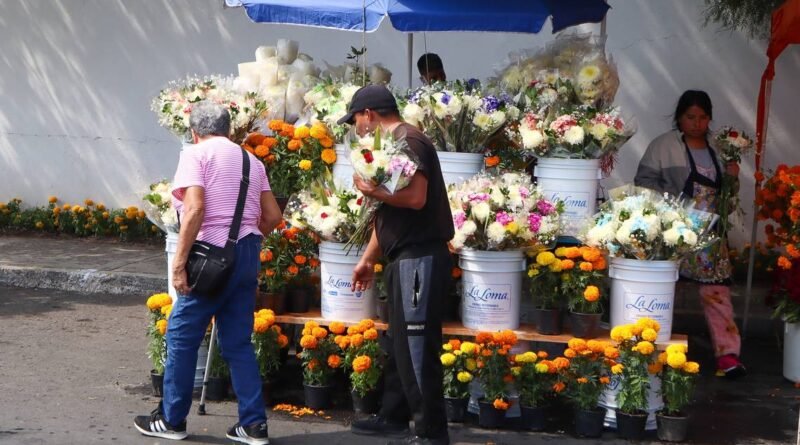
77 77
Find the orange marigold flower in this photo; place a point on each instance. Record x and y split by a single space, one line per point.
308 342
455 344
492 161
328 156
572 252
292 269
294 145
337 327
362 363
793 251
313 262
266 255
269 142
559 387
567 264
357 340
300 259
578 344
570 353
275 124
654 368
371 334
334 361
582 380
500 404
600 264
586 266
456 272
326 142
542 354
508 378
592 293
282 340
604 380
319 333
483 337
261 151
759 176
313 364
560 362
269 272
784 263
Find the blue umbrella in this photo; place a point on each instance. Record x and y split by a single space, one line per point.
427 15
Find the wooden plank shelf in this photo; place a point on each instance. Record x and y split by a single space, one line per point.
525 332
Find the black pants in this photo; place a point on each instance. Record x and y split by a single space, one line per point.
417 284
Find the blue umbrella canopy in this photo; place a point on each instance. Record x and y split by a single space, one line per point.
528 16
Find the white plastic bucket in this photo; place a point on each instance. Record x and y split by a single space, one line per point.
491 289
573 181
339 303
608 400
342 168
458 167
791 351
171 247
641 289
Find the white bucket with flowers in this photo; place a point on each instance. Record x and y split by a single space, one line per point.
496 218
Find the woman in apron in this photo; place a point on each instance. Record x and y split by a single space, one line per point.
682 163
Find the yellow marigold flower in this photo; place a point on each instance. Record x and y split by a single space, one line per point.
305 164
673 348
512 227
572 252
648 323
161 325
301 132
578 344
77 209
100 207
617 369
367 323
595 345
542 368
649 334
337 327
644 347
447 347
361 363
166 310
591 294
260 325
555 266
311 324
105 215
515 370
448 359
467 347
570 353
118 219
371 334
560 252
320 333
542 354
532 272
676 360
317 132
88 202
66 207
464 377
691 367
545 258
471 364
52 200
39 225
457 352
308 342
377 268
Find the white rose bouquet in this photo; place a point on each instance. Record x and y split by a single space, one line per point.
502 213
328 101
639 223
329 211
158 206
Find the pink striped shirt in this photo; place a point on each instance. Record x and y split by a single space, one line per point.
216 165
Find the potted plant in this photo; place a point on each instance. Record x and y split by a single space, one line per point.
382 299
494 371
159 307
302 261
785 297
544 280
583 380
267 343
636 350
582 286
362 355
534 377
320 359
219 375
459 361
271 292
496 219
678 377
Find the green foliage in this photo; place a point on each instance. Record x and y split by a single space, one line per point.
751 16
218 366
676 388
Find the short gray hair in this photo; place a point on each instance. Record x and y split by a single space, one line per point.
208 118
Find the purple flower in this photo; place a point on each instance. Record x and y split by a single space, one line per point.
504 218
478 197
545 207
490 104
473 84
458 219
401 164
445 98
534 221
524 192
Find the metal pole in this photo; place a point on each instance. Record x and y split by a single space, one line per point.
201 408
410 53
603 27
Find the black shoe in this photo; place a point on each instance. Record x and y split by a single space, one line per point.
379 426
255 434
416 440
154 425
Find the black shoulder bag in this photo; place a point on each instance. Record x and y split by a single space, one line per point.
208 266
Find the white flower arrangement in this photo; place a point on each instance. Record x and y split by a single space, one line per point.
158 206
502 213
731 144
326 209
638 223
328 102
173 104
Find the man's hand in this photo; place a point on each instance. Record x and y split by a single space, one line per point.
180 281
732 169
363 274
366 187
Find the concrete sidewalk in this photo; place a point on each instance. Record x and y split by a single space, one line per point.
82 264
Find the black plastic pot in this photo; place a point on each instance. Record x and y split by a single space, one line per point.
672 428
584 325
266 391
299 299
318 397
276 301
533 418
217 388
456 408
631 426
589 422
489 416
548 321
157 381
368 404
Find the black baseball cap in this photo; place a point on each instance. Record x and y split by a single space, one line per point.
373 97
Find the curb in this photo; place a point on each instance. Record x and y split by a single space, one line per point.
82 280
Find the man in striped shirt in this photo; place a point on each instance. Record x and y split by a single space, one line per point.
206 189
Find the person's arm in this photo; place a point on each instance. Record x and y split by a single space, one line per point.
413 196
364 272
270 213
193 213
650 174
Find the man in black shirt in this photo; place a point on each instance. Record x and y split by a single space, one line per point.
412 228
431 69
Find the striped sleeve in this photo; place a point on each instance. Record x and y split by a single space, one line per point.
189 172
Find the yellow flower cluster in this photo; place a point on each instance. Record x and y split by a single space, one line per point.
675 358
156 301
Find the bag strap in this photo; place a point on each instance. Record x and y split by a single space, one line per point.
233 235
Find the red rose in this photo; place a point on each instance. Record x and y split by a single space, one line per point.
324 215
367 156
733 134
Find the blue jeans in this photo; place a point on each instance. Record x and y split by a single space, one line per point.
233 311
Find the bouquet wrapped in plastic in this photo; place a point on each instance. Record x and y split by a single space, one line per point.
158 206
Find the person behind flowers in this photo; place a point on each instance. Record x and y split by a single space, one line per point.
412 229
206 188
431 69
682 162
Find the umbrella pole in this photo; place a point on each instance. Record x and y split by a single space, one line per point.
410 53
